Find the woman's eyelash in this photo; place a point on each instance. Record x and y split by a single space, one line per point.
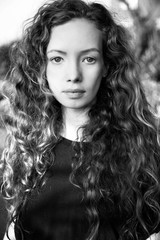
90 59
56 59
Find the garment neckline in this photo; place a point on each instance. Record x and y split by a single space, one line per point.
70 142
67 141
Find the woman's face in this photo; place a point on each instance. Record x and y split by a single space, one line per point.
75 64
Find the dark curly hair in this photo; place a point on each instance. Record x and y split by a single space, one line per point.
122 168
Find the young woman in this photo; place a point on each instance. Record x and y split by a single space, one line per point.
82 154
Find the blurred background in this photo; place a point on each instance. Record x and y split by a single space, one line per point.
141 17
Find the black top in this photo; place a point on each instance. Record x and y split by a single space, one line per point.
56 211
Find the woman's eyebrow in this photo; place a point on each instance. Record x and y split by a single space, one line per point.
83 51
91 50
56 50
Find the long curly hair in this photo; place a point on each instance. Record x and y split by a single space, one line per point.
122 167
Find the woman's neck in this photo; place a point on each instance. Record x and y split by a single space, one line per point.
73 119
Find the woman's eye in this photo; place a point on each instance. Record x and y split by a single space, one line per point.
57 59
89 60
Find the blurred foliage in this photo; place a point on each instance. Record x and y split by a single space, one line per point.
4 69
4 60
146 28
4 106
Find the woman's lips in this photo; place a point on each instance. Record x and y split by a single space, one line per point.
74 93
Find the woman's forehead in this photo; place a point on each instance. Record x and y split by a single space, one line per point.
77 33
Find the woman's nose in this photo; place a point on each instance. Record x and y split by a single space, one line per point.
74 72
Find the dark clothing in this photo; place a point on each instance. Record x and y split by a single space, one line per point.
56 211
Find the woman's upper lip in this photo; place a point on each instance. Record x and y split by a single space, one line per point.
74 90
